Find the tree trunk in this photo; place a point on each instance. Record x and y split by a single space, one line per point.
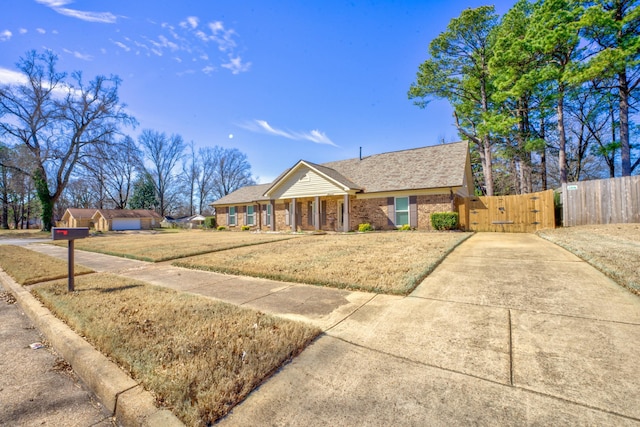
486 140
5 200
46 200
625 150
562 137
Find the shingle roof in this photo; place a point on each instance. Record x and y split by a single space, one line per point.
250 193
79 213
127 213
437 166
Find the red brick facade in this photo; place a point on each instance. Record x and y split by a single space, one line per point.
374 211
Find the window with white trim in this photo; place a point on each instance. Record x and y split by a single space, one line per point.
402 211
251 215
233 217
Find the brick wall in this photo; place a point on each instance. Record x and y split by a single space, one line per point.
375 211
429 204
372 211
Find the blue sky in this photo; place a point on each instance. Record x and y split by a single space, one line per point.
279 80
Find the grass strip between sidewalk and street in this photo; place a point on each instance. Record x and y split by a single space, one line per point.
197 356
28 267
164 246
386 262
614 249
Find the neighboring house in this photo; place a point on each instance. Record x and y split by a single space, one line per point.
193 221
387 190
75 217
125 219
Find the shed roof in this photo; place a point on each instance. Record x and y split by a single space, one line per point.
127 213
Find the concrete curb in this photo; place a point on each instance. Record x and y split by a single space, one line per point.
125 398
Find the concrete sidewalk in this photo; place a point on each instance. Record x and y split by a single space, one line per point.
509 330
324 307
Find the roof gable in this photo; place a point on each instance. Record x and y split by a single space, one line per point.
78 213
307 179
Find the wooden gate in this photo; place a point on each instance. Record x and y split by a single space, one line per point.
524 213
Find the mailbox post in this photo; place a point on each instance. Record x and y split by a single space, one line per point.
70 234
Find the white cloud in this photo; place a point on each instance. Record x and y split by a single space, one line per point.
79 55
5 35
263 126
208 69
202 36
193 21
236 65
216 26
41 30
10 77
122 46
57 5
22 31
54 31
318 137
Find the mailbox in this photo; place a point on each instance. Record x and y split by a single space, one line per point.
70 235
60 233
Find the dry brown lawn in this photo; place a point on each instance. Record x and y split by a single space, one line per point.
28 267
24 234
388 262
613 249
199 357
167 246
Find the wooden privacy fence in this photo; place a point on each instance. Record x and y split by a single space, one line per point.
524 213
601 201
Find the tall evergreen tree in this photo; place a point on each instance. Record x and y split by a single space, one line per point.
458 71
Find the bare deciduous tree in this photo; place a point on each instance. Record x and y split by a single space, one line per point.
232 171
58 117
163 154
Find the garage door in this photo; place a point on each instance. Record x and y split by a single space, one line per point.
126 224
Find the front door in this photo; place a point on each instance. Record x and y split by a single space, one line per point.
340 216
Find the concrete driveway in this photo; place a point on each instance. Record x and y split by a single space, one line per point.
509 330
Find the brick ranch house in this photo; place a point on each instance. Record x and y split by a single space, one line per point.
387 190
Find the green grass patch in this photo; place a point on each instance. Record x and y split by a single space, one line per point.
197 356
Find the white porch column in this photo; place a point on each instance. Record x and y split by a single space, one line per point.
273 214
317 214
294 226
345 215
